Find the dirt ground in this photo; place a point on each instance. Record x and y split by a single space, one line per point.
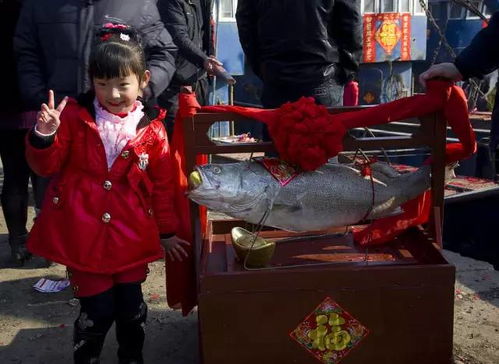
36 328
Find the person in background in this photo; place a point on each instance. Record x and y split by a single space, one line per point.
109 205
14 125
189 23
478 59
53 40
301 48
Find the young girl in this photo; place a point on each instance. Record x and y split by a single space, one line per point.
110 199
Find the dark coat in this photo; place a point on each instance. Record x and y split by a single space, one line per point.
189 23
301 42
54 37
9 93
480 58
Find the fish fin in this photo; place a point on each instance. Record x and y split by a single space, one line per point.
385 169
286 208
385 209
333 160
398 211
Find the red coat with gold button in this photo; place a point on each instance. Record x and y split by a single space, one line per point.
99 220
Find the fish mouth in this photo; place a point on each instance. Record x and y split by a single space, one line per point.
198 180
195 180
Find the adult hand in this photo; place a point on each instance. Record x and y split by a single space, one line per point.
446 70
173 247
211 63
48 117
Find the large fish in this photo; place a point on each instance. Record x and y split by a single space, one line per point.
331 196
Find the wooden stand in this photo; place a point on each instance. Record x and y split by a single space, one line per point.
401 293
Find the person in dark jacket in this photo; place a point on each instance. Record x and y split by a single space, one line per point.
14 124
301 48
189 23
480 58
54 37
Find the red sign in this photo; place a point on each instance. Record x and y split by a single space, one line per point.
369 52
387 34
405 51
329 333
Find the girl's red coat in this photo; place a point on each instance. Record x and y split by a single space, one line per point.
72 228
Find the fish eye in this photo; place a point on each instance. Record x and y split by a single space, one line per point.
217 170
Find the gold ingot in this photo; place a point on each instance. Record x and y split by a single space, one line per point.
106 217
125 154
55 200
259 251
107 185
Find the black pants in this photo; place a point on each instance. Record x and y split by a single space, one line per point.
329 93
169 101
15 185
124 304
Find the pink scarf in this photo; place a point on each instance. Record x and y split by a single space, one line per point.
116 131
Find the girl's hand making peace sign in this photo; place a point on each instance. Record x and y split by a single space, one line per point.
48 117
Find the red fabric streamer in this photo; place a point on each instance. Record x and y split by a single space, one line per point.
416 212
180 276
307 135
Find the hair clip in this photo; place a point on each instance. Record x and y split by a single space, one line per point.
115 26
124 37
106 37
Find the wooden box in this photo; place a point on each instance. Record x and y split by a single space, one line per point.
403 294
395 303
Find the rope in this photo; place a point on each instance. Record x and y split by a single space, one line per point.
471 7
261 223
443 39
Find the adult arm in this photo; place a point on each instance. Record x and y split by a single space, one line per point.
160 54
32 83
246 17
482 55
346 31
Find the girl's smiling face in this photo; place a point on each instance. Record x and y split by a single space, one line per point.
118 95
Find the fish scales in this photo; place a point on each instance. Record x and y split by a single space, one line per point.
332 196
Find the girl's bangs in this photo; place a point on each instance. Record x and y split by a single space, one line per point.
114 63
113 67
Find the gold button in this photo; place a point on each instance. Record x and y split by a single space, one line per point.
150 212
55 200
125 154
106 217
107 185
